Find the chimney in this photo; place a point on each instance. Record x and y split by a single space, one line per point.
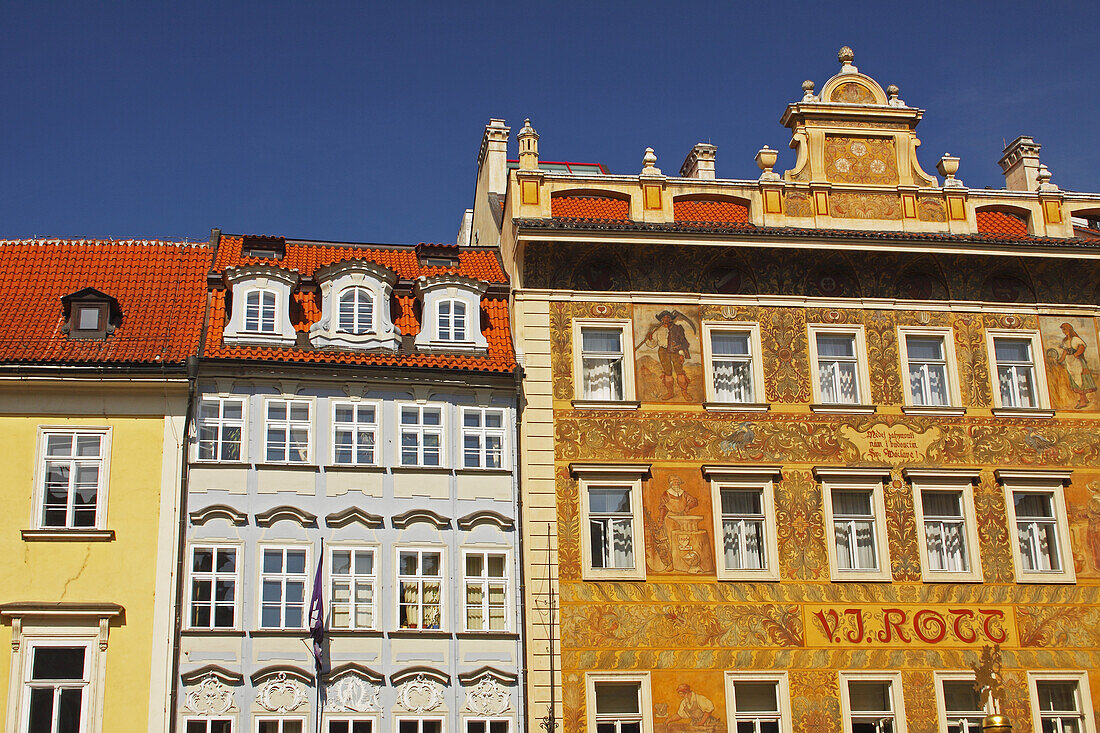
699 163
493 156
1020 164
528 147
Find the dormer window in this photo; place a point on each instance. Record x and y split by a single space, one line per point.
356 310
90 314
452 320
91 317
269 248
452 313
259 311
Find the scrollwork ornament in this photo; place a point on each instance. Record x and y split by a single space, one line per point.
488 697
351 694
420 695
280 695
209 697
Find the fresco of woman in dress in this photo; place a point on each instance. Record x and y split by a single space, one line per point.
1072 358
1071 362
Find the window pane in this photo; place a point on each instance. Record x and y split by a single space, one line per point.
364 563
755 697
1034 505
601 340
852 503
728 343
617 697
58 663
941 503
1057 696
920 348
869 696
741 502
609 500
831 346
1012 349
961 697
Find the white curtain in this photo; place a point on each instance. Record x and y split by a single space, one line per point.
732 380
603 378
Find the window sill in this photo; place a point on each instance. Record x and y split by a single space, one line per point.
420 469
615 577
252 338
68 535
842 409
419 634
944 411
212 632
736 406
483 471
487 635
1034 412
367 467
353 632
220 464
292 466
607 404
862 578
1053 579
260 633
931 578
465 347
765 576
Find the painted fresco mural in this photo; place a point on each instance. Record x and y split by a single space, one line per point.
1073 367
667 354
687 628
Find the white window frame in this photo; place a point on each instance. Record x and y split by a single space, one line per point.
420 430
487 720
941 701
356 428
453 332
327 718
261 311
441 719
361 294
485 581
947 480
208 720
214 576
283 576
281 719
856 479
758 478
896 695
351 579
38 508
1041 482
947 336
482 433
1042 396
863 378
645 696
89 720
783 696
221 423
755 361
399 577
1084 695
287 425
626 327
629 477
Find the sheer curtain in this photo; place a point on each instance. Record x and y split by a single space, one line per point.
732 365
836 369
944 531
854 530
743 530
602 363
611 527
1037 532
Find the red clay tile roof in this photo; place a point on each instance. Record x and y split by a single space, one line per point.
723 212
998 223
589 207
160 288
307 257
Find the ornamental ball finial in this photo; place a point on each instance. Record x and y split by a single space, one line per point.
808 85
846 55
892 90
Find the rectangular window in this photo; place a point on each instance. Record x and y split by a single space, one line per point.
603 368
352 577
208 725
74 473
482 437
488 725
734 374
213 587
611 526
259 311
287 431
419 725
280 725
854 530
945 531
961 706
420 581
612 540
871 702
56 689
1015 372
349 725
354 433
929 368
946 521
837 367
743 529
283 582
452 320
421 435
486 591
856 516
1037 531
89 318
618 707
1058 703
1037 513
220 428
758 703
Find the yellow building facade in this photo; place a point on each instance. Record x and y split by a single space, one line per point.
797 450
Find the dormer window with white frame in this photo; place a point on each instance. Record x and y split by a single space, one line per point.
355 307
260 310
451 313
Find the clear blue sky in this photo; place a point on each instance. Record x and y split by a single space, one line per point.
362 120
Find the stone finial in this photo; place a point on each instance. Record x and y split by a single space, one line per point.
765 160
528 147
892 94
1043 175
808 91
948 167
845 56
649 163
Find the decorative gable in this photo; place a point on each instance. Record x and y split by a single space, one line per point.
451 312
260 310
355 307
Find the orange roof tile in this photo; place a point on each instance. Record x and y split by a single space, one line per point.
998 223
589 207
716 211
159 286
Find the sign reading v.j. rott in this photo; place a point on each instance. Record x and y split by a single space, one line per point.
907 626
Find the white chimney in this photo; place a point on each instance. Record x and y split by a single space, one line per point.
493 156
1020 164
700 162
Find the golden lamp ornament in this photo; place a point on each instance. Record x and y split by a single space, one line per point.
989 683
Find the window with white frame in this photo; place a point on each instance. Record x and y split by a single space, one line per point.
959 704
287 431
486 591
283 581
758 703
356 310
220 428
488 725
611 527
618 703
1017 382
836 359
280 725
259 311
734 373
743 500
1060 702
421 435
856 516
74 478
214 574
946 522
482 437
872 703
208 725
354 433
451 323
57 688
929 368
352 576
420 589
1038 518
419 725
603 366
1037 531
345 724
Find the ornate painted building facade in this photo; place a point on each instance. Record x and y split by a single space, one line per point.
795 450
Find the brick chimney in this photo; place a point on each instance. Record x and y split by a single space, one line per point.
1020 164
700 162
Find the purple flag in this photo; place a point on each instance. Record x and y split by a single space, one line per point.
317 614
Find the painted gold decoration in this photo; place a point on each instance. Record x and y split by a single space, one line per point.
852 93
866 205
865 160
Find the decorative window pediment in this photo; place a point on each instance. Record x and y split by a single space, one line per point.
355 307
260 311
282 689
353 688
90 314
451 313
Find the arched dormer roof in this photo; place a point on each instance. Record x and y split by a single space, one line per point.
260 312
376 283
451 312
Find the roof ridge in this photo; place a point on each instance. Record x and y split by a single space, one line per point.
86 242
